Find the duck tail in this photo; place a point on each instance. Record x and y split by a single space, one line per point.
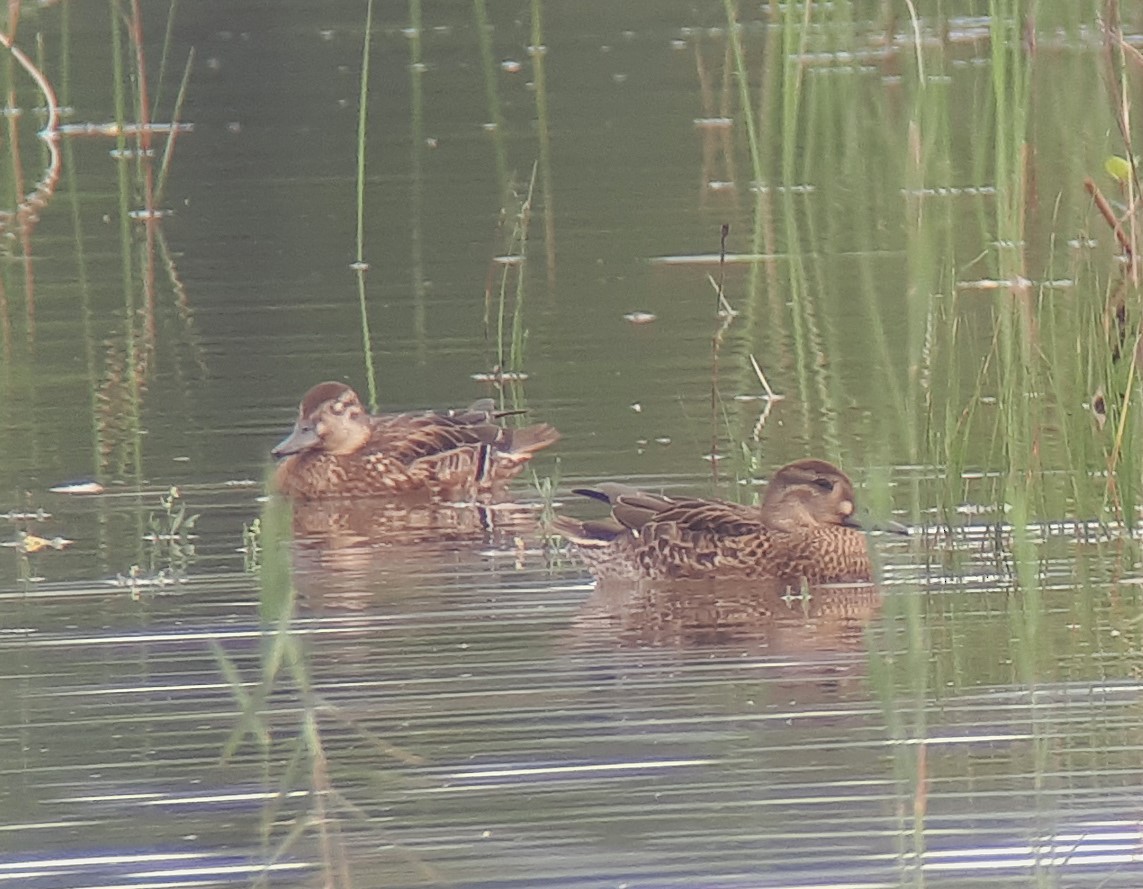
521 444
570 528
590 534
482 410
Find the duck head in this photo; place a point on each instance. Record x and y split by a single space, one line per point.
813 492
331 419
809 492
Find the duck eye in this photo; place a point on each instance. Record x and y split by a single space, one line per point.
824 483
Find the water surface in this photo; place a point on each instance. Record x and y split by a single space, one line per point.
440 698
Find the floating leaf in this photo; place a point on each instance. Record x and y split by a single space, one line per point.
30 543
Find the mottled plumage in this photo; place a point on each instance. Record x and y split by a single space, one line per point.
804 532
338 449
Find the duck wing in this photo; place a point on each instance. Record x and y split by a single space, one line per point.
482 410
642 512
407 438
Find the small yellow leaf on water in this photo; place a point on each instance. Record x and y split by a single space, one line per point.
1117 168
30 543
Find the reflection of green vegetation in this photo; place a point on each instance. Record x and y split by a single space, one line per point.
417 179
538 50
252 546
121 335
492 95
121 322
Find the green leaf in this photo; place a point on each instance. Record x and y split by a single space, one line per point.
1117 168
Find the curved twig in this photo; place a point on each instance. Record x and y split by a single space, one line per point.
50 134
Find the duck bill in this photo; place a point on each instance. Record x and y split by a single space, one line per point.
889 527
301 439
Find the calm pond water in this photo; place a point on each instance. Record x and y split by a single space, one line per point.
200 689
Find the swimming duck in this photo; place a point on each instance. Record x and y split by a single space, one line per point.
804 532
338 449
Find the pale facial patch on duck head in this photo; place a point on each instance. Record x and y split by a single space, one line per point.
342 424
330 419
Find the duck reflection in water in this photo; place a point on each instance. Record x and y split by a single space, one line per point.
350 556
796 649
695 571
756 615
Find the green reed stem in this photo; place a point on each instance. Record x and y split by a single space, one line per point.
362 129
742 74
1021 384
359 258
516 355
516 247
131 369
794 33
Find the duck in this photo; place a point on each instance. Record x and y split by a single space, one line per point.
338 449
804 533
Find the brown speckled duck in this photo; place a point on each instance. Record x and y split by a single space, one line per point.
338 449
804 532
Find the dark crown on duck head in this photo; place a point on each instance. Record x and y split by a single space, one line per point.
325 392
